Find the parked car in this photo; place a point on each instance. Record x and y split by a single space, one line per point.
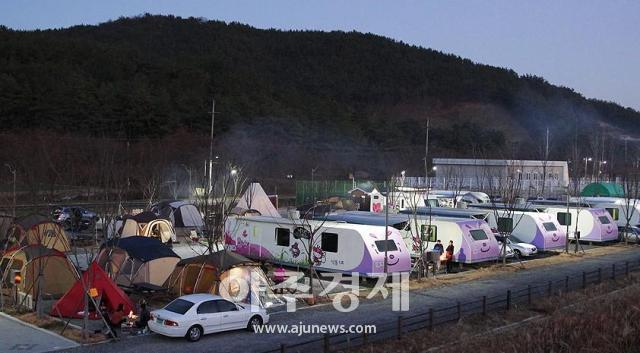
633 232
508 250
519 248
66 217
194 315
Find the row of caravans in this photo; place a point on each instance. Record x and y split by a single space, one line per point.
595 224
552 222
538 229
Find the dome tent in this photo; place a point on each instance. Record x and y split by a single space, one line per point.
36 229
222 273
137 259
147 224
43 270
184 216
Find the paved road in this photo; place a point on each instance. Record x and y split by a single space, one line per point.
16 336
370 312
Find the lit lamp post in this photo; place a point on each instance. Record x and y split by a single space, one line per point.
434 169
586 160
234 174
13 171
601 166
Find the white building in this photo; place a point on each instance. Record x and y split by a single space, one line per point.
480 174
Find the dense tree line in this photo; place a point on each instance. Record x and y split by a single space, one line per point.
357 94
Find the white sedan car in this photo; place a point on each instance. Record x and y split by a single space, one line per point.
192 316
522 249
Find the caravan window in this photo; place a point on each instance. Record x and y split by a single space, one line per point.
614 212
390 245
549 226
428 233
604 220
329 242
282 236
564 218
478 234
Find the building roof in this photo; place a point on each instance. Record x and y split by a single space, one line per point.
497 162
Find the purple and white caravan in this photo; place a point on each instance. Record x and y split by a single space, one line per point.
337 246
472 238
594 224
536 228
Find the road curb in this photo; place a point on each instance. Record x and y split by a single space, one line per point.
76 344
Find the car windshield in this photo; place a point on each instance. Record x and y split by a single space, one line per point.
179 306
604 220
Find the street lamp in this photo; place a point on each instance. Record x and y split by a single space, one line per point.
234 173
13 171
586 160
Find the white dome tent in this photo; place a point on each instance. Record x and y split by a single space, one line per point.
184 216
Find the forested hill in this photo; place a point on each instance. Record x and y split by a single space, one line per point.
152 75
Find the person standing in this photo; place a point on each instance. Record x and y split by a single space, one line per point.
438 249
449 253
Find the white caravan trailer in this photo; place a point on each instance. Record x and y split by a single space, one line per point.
473 240
533 227
594 224
618 208
338 247
469 197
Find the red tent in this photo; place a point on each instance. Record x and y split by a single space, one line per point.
72 303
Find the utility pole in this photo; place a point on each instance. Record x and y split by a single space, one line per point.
426 153
213 115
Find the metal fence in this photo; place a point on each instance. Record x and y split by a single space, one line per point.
434 317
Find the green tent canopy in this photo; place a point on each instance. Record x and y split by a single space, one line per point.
603 189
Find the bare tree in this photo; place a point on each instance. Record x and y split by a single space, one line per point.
217 199
508 187
631 189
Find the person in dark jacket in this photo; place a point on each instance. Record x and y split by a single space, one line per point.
449 252
438 249
144 318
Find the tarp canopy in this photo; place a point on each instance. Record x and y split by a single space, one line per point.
255 198
223 260
142 248
603 189
107 293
